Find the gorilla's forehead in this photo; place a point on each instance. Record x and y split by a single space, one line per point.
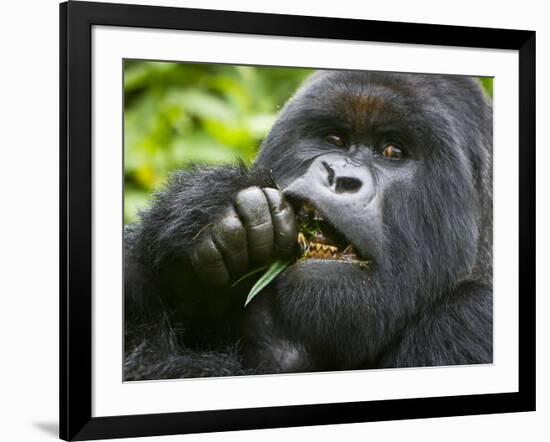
361 99
364 106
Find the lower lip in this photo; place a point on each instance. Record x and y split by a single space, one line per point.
307 261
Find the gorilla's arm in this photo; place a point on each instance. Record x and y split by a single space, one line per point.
159 249
173 319
457 330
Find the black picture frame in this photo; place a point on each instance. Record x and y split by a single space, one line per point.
76 21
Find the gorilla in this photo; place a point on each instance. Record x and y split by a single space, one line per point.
376 188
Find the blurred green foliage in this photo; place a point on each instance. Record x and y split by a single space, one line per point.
487 84
176 114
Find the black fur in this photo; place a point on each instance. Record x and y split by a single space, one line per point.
427 300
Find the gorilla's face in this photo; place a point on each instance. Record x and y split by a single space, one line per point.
386 167
340 202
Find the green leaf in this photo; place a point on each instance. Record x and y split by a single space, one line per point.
271 273
253 272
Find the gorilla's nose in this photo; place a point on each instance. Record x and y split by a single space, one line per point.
338 180
343 176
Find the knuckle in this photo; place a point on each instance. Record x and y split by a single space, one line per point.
229 231
275 199
229 225
206 253
250 193
250 202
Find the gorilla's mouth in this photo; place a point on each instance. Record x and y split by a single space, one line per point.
319 239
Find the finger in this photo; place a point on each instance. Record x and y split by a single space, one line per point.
284 221
229 235
208 262
253 209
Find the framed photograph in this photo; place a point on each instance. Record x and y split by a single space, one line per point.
272 221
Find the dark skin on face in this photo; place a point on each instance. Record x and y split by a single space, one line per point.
378 186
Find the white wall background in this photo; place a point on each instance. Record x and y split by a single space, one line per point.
29 218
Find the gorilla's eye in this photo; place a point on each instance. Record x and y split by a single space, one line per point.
337 140
393 152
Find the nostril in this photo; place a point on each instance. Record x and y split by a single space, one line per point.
347 185
330 172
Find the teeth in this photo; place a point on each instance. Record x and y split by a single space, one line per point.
323 247
315 250
321 251
302 241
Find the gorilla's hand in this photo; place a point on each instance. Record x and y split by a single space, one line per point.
259 224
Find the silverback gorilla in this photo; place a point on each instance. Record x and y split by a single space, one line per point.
396 172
